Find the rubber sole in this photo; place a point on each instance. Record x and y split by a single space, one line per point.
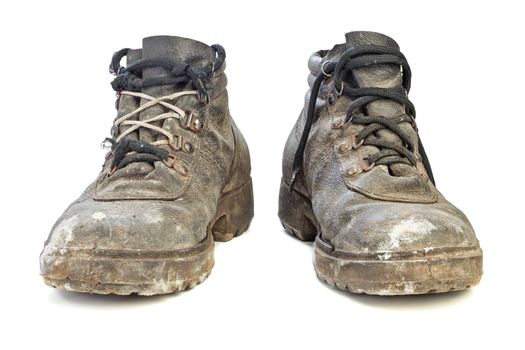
406 273
416 272
105 272
125 289
150 273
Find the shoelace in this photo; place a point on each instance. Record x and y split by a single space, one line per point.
126 151
390 152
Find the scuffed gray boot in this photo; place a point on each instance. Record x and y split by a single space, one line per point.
357 181
177 177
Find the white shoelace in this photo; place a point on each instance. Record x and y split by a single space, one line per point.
175 113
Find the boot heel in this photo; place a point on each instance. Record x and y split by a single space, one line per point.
234 213
295 212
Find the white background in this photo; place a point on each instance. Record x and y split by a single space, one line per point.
57 106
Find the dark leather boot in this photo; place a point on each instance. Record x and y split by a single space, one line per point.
356 180
176 178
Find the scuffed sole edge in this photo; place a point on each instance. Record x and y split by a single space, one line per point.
401 288
122 274
421 275
125 289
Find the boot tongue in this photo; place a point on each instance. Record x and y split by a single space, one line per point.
178 49
362 38
382 76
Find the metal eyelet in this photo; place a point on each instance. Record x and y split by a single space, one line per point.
353 139
362 166
366 165
188 147
340 92
176 145
324 71
106 144
354 171
189 121
176 164
170 161
197 125
185 120
344 147
337 124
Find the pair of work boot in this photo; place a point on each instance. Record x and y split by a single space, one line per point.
356 179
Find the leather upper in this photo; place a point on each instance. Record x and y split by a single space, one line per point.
152 208
387 208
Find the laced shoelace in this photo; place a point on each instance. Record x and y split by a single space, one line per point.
390 152
126 82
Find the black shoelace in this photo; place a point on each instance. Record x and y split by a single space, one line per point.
128 79
390 152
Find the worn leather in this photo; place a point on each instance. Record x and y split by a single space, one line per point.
151 208
392 208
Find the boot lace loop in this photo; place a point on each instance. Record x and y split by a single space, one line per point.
127 82
390 152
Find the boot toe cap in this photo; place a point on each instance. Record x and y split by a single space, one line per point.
117 230
402 227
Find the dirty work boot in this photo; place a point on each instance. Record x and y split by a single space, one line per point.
356 180
176 178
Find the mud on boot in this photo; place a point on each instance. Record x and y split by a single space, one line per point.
356 180
177 176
